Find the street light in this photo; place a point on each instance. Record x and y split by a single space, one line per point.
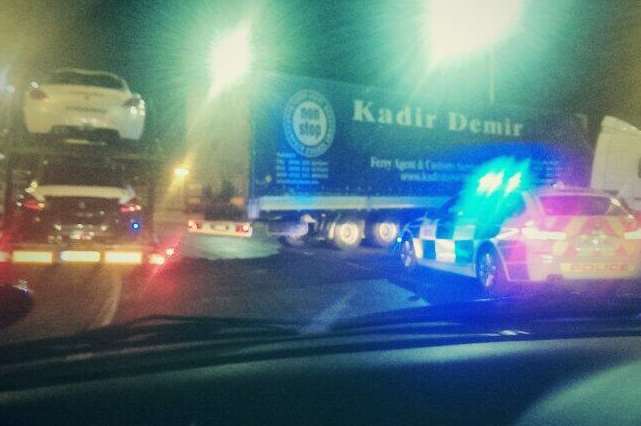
180 181
181 171
230 58
459 28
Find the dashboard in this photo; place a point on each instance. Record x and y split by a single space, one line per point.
337 381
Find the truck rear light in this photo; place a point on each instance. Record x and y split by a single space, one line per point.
80 256
243 228
32 256
131 206
123 257
37 95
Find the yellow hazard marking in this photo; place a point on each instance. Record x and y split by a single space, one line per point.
559 248
575 225
631 247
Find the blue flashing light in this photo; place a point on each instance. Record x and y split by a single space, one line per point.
513 183
490 182
135 226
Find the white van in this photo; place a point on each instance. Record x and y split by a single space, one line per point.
617 161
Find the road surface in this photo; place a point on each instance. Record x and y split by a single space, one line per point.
233 278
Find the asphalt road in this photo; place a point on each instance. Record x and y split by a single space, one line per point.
232 278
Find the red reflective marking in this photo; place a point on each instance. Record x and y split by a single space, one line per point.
597 224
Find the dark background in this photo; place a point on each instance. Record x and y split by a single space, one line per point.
573 55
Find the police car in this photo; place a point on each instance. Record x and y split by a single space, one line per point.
545 235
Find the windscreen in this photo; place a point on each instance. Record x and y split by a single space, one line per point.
85 176
105 81
581 205
289 160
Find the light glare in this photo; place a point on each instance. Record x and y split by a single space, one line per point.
456 28
490 182
181 172
230 59
513 183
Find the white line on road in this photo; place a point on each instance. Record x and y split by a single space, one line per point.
358 266
326 318
110 305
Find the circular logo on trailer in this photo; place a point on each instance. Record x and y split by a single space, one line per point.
309 123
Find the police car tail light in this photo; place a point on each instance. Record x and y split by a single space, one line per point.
532 232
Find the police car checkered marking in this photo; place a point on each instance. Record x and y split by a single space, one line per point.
429 249
458 248
445 251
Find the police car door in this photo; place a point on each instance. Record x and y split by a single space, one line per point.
448 240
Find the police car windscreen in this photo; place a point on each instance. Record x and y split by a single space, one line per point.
580 205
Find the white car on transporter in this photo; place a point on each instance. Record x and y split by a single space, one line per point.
82 104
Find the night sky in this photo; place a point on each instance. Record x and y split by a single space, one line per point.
575 55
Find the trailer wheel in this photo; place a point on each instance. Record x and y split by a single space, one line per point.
383 232
348 233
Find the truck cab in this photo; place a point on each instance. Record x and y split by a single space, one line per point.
617 161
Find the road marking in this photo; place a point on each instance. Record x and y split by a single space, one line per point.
321 322
110 306
358 266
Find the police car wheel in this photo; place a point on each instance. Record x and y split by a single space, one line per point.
489 272
407 254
